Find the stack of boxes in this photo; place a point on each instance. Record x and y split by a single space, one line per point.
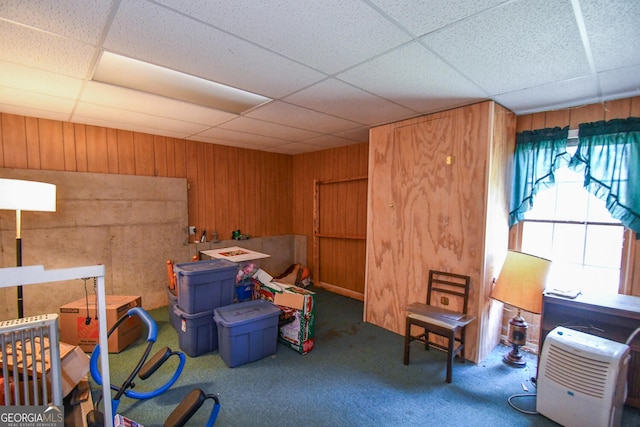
209 312
201 286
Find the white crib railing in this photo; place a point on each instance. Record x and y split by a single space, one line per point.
36 274
30 354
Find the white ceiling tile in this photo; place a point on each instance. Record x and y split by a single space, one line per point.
423 83
157 35
517 51
39 102
295 148
424 16
31 111
86 111
33 48
567 93
619 83
329 141
328 35
357 135
275 130
77 19
287 114
132 100
334 97
232 135
613 32
211 140
136 126
39 81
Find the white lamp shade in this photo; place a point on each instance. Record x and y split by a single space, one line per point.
21 195
522 281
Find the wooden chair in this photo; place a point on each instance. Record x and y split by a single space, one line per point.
444 314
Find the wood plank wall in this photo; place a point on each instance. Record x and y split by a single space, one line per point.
348 256
229 188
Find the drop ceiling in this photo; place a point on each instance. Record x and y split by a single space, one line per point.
332 68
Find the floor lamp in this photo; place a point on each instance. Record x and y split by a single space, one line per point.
520 284
19 195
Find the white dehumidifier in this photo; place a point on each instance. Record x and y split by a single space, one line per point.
582 379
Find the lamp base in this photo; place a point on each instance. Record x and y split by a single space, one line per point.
514 358
518 337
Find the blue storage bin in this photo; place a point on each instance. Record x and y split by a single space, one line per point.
173 302
205 285
197 333
247 331
244 290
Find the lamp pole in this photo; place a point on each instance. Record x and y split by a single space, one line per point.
19 261
21 195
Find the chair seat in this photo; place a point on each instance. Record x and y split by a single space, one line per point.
438 316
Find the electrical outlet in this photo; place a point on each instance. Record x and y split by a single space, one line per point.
444 300
192 230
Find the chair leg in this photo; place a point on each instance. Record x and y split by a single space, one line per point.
407 340
462 344
450 355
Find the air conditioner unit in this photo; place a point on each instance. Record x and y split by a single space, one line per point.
582 379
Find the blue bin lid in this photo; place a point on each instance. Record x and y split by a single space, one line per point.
245 312
181 313
206 266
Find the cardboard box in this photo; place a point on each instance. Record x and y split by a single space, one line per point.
296 328
287 295
74 329
297 331
74 366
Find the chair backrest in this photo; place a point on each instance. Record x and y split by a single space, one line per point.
448 290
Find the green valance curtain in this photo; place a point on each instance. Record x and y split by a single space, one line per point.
609 156
538 155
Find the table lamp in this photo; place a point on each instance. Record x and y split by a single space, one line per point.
520 284
19 195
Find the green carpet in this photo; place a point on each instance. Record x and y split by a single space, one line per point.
353 377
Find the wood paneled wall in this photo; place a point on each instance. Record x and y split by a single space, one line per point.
348 256
572 117
229 188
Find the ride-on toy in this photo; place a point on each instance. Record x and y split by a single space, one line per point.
144 369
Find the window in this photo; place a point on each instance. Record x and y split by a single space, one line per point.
573 228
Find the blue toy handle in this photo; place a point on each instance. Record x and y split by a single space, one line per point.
152 335
151 338
214 415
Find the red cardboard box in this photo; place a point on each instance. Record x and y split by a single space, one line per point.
74 329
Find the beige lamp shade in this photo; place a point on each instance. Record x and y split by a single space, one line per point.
21 195
522 281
